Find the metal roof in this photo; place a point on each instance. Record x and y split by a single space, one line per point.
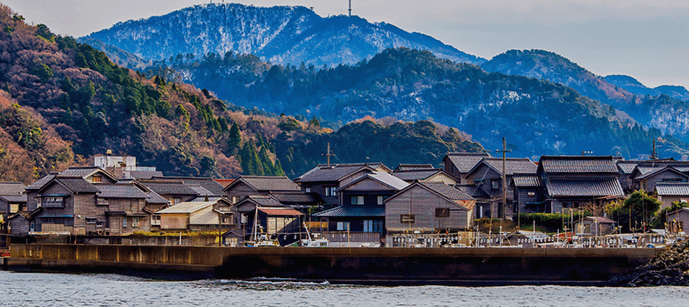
350 211
672 189
583 187
465 161
120 191
187 207
333 172
280 212
579 164
11 188
527 180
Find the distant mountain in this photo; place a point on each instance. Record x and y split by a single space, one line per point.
669 113
280 34
541 116
633 86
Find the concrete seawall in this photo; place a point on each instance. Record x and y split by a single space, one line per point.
486 266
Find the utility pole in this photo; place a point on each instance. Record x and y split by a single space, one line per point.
350 8
504 177
330 153
654 156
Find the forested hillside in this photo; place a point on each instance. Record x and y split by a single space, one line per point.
542 117
63 102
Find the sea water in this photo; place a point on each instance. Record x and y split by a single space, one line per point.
53 289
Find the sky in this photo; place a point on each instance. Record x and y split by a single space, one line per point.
646 39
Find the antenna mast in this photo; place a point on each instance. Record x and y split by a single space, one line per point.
350 8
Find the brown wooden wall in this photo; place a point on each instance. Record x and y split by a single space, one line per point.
422 204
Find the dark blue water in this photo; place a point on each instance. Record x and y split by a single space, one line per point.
42 289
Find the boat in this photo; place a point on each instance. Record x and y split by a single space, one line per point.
313 240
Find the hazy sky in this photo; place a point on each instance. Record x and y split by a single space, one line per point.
647 39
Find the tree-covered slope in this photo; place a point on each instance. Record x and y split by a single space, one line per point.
541 116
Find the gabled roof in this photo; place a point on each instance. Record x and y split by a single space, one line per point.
224 182
187 207
25 214
512 166
672 189
627 167
413 167
121 191
14 198
642 172
155 198
75 184
201 191
145 174
586 187
420 174
349 211
527 180
168 187
38 184
448 192
261 201
206 182
299 197
335 172
465 161
578 164
383 178
473 191
266 183
11 188
85 171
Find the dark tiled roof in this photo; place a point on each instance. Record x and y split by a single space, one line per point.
294 197
627 167
270 183
155 198
677 188
578 164
411 175
448 191
683 169
79 171
645 170
206 182
384 178
584 187
120 191
11 188
465 161
145 174
473 191
527 180
413 167
353 212
201 191
264 201
14 198
333 172
41 182
168 187
77 184
512 165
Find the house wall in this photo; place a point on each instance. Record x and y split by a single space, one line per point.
175 221
58 220
206 215
488 175
241 191
450 168
19 226
667 200
442 178
521 195
319 188
422 204
682 216
649 184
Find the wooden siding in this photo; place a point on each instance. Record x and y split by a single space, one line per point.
668 200
241 191
422 204
649 184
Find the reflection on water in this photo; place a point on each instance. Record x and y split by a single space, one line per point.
41 289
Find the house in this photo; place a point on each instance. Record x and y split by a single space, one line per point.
677 220
266 215
487 175
324 180
457 164
198 216
245 186
425 175
584 182
529 193
361 203
128 207
626 168
484 203
213 188
12 200
595 226
429 207
413 167
646 177
670 192
175 191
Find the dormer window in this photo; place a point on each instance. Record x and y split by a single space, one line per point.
97 179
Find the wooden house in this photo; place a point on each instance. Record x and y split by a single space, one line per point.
325 180
626 168
361 203
12 200
266 215
595 226
487 175
647 177
198 216
425 175
458 164
245 186
129 207
429 207
670 192
174 190
529 193
484 202
585 182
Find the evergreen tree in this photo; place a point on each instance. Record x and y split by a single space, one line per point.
235 138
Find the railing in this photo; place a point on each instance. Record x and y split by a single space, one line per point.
343 236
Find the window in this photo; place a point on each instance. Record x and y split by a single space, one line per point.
442 212
96 179
53 202
135 221
358 200
381 199
407 218
373 226
307 190
155 219
235 199
124 222
91 220
330 191
343 226
495 184
175 200
531 194
14 208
